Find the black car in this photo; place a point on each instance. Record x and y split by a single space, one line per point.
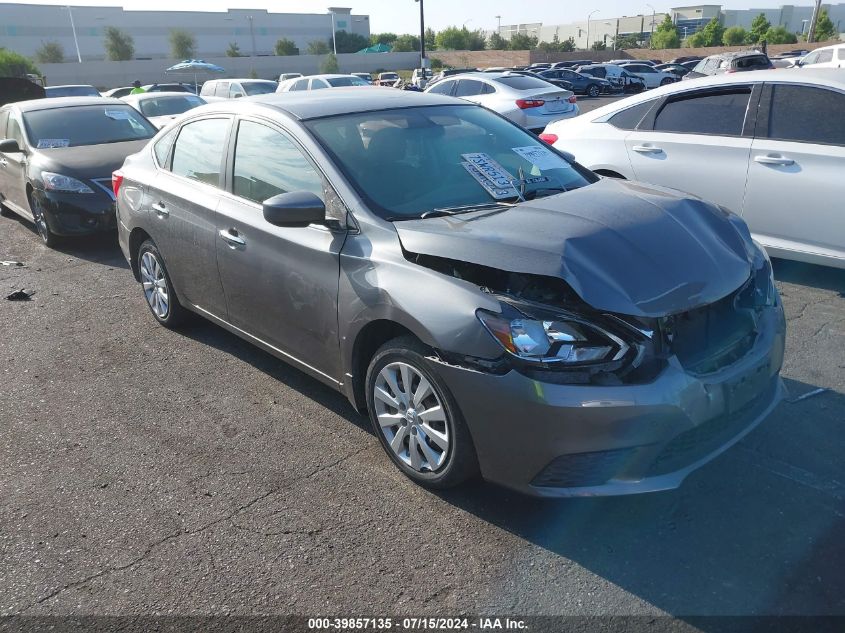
741 61
572 63
580 84
57 157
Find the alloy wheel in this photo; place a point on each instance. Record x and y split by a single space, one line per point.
411 417
40 220
155 285
594 91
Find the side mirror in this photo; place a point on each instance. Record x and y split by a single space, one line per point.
10 146
237 95
295 209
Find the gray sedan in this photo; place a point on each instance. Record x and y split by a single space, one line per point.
528 101
494 307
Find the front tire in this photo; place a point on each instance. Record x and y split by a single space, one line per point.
50 239
666 81
593 90
158 289
416 418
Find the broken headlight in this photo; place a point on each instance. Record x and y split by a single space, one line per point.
553 338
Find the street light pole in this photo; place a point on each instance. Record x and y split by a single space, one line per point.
811 34
588 27
334 39
499 28
75 41
422 34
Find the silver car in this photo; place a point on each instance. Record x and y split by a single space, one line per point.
493 306
530 102
766 145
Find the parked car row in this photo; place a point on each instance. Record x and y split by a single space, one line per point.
454 275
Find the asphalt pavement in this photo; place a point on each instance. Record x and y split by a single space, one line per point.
145 471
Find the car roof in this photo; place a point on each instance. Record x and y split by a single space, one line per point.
52 103
736 54
143 96
71 86
310 104
833 77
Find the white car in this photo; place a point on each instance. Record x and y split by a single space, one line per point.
163 107
530 102
220 89
286 76
827 57
319 82
652 77
767 145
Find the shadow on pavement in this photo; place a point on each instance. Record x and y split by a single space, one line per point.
822 277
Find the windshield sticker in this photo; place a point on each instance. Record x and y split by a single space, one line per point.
541 158
497 192
118 115
51 143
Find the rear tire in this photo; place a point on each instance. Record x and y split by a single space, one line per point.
416 418
158 289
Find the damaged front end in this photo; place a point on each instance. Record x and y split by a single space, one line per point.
549 333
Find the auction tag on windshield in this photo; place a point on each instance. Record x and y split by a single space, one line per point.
51 143
498 193
118 115
541 158
490 169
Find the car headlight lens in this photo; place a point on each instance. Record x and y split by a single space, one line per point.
553 340
58 182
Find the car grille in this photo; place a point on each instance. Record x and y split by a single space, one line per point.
582 469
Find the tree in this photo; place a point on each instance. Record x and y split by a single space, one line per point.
119 44
430 39
50 53
476 41
183 45
497 43
452 38
15 65
759 26
330 66
382 38
522 42
825 29
406 44
350 42
556 46
621 42
780 35
710 35
735 36
318 47
285 47
599 45
666 35
234 50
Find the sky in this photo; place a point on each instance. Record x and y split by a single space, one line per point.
402 16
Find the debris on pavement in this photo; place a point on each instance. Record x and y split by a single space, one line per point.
809 394
21 295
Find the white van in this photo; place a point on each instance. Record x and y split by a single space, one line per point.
826 57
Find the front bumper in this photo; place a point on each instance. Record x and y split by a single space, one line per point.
71 214
556 440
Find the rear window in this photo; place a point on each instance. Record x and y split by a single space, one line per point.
72 91
757 61
340 82
521 82
258 87
169 106
86 125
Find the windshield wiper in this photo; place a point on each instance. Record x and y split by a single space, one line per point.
466 208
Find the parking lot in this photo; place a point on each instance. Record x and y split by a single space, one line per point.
151 471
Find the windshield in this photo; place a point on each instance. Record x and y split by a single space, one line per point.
169 106
340 82
412 161
71 91
259 87
85 125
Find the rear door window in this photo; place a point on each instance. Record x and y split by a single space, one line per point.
718 113
222 89
469 88
806 114
825 56
199 150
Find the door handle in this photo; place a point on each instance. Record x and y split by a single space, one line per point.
160 210
646 149
232 238
774 160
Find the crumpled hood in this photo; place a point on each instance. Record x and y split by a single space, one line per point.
623 247
88 161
